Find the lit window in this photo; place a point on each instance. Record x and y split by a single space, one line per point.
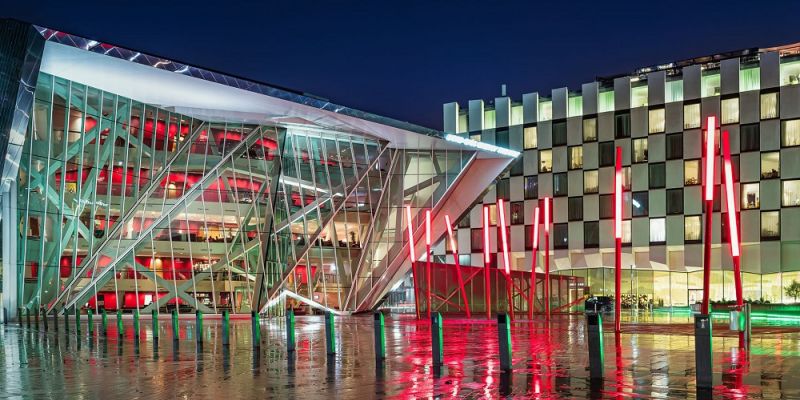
488 119
691 116
658 230
691 172
575 106
492 214
770 224
791 193
517 212
626 178
710 83
769 105
605 100
791 133
576 157
692 228
476 138
656 119
545 110
626 231
750 197
749 78
640 203
590 182
639 95
462 124
790 71
516 115
730 111
529 137
674 90
770 165
545 161
639 150
590 130
476 240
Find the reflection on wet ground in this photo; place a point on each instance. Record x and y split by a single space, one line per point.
644 363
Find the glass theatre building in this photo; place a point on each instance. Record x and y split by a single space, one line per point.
657 115
134 182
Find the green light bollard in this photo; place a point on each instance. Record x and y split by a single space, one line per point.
226 328
256 328
437 340
175 332
504 341
154 313
198 326
290 342
77 320
104 322
89 322
594 326
136 325
330 334
380 338
120 328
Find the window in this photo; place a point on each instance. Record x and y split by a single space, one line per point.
691 116
658 230
656 121
560 236
590 130
769 105
517 167
658 176
606 206
464 221
492 214
730 111
531 187
545 110
626 231
545 161
476 239
639 150
528 237
673 90
591 235
770 225
749 137
749 77
476 138
576 157
501 138
710 82
790 71
516 115
488 119
462 123
639 94
770 165
517 213
503 189
691 172
622 125
607 154
790 193
560 184
626 178
575 208
605 100
674 146
559 133
790 133
575 106
590 182
674 201
640 203
692 228
529 137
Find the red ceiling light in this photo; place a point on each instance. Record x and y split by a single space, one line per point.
410 230
729 199
503 236
711 129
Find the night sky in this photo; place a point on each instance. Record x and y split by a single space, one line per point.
405 59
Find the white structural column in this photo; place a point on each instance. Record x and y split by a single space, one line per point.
8 206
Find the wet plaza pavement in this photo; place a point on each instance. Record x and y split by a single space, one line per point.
654 362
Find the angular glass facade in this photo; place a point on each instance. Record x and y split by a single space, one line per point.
133 200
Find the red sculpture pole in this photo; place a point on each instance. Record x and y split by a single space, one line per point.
532 291
711 128
412 254
506 258
428 258
618 241
454 249
733 229
547 258
486 262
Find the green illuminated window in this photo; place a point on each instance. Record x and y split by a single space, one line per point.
605 100
749 78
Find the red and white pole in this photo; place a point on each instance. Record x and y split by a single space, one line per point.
733 228
486 261
412 254
428 259
506 258
547 258
618 241
532 290
454 249
711 128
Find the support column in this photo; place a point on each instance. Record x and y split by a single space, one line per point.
11 276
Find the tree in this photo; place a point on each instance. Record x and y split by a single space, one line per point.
793 290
